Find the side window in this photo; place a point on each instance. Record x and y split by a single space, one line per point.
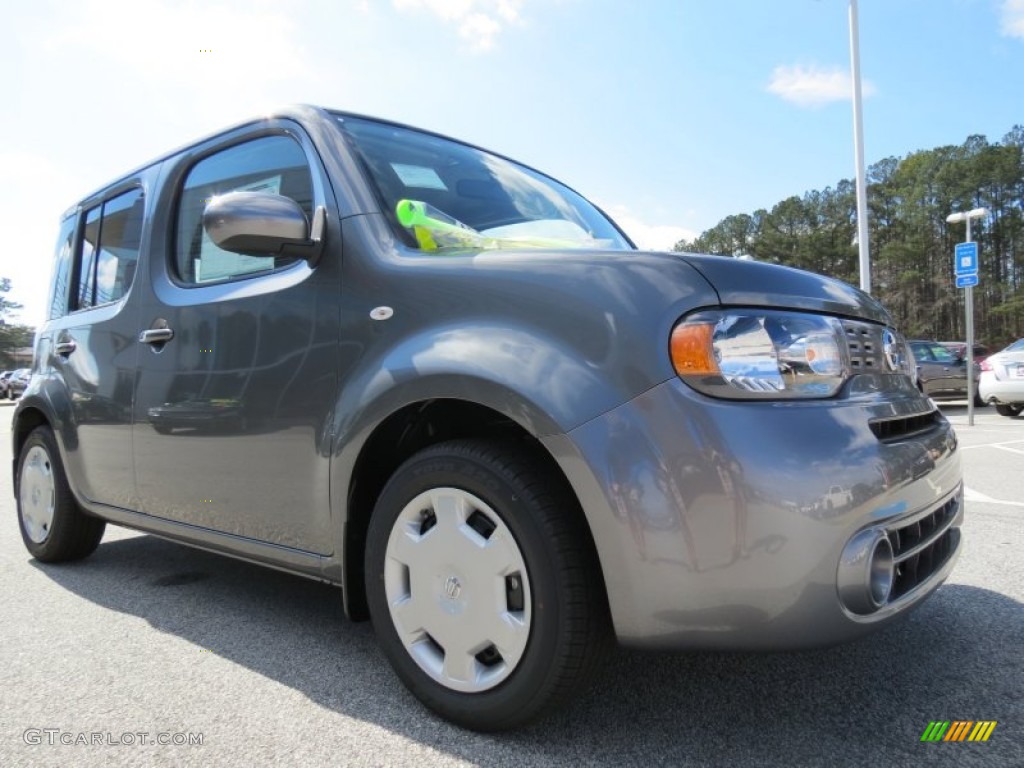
272 164
119 246
60 285
87 260
110 249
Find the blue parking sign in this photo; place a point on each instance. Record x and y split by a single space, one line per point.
965 261
966 281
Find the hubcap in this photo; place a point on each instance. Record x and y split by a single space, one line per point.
37 494
457 590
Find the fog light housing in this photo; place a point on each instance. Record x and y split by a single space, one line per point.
867 572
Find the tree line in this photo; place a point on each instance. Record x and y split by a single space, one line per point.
13 336
911 243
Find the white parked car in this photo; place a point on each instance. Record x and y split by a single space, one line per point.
1002 379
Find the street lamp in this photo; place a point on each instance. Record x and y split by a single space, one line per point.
956 218
976 213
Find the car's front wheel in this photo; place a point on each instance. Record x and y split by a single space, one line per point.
53 526
483 585
1009 410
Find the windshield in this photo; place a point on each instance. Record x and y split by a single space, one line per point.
443 195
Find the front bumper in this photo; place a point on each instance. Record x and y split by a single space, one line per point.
724 524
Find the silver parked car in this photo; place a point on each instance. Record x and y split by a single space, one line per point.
449 385
18 383
1002 379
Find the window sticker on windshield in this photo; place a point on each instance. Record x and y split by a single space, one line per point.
418 176
270 184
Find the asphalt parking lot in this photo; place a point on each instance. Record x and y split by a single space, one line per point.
150 640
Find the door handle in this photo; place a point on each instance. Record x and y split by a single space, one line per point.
65 347
156 335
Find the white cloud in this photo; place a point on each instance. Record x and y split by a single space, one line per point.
814 86
1012 18
477 22
223 57
35 191
187 43
648 237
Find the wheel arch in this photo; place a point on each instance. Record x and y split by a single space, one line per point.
26 419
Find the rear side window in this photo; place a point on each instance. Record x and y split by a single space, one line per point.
274 164
60 285
109 252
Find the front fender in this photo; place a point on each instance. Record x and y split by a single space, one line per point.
535 383
543 385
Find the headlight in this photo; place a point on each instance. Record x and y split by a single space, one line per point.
761 355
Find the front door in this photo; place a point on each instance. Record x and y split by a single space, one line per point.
237 366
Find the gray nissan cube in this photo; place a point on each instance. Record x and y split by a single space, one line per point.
441 380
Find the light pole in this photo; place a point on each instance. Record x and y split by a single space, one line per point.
956 218
858 154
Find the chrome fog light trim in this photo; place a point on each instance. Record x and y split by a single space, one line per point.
882 572
866 572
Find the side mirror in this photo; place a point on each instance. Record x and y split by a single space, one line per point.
263 223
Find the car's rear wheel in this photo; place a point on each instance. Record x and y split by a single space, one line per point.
1009 410
483 585
53 526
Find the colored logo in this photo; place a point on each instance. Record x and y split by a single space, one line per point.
893 350
958 730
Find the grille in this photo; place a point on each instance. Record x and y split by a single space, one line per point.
891 430
921 548
864 341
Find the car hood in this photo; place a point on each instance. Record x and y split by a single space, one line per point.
753 283
736 282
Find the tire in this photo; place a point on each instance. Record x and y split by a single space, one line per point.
538 593
52 525
1008 410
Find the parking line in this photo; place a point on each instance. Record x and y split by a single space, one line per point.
990 445
972 495
1009 450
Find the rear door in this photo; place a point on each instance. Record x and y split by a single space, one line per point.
89 341
238 375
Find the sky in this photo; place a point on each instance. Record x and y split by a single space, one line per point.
670 114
